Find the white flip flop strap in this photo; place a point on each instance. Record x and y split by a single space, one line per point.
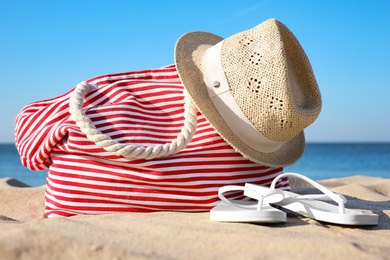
259 192
338 198
250 190
130 151
228 188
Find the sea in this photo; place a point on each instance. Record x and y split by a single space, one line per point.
320 161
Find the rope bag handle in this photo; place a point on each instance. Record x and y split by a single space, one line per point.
131 151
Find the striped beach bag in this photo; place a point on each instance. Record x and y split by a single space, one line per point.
130 142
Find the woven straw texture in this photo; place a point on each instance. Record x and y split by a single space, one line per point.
271 80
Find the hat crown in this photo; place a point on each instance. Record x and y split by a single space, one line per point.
271 80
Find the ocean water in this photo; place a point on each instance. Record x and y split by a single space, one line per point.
320 161
336 160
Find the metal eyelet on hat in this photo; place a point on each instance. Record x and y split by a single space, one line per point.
216 84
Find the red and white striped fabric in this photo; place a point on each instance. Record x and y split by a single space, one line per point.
145 108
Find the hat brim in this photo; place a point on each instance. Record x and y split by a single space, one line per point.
189 51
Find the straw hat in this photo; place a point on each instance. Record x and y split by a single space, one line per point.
256 88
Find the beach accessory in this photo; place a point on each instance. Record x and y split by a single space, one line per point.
130 142
311 205
128 150
248 211
256 88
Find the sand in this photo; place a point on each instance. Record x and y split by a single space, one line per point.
24 234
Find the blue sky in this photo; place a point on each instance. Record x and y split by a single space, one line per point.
47 47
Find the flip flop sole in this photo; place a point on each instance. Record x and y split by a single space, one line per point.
326 212
224 212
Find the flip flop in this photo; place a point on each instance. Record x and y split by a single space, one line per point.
313 206
248 211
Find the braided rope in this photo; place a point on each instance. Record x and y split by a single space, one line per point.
131 151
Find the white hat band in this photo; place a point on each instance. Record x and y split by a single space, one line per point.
223 100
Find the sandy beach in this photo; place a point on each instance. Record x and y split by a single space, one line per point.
175 235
